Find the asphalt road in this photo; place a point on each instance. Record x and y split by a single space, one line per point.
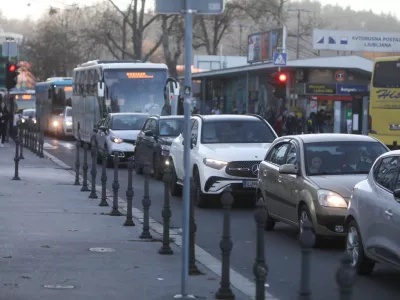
282 247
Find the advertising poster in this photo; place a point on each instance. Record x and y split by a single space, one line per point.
254 48
313 106
265 53
276 39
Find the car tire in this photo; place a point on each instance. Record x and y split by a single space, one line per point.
157 174
355 248
270 222
304 213
201 200
174 188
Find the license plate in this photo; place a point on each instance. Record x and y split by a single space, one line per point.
250 184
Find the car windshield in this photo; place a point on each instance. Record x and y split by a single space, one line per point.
236 131
340 158
171 127
29 113
68 112
128 122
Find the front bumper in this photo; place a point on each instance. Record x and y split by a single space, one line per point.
329 221
123 150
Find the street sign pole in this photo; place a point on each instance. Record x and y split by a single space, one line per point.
187 140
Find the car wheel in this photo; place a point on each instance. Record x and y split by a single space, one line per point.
304 216
355 249
200 199
174 188
157 174
270 222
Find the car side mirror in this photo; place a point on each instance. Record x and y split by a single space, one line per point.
289 169
148 133
396 194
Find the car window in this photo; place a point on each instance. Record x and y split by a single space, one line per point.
387 172
291 157
278 154
236 131
68 112
170 127
341 157
128 122
153 125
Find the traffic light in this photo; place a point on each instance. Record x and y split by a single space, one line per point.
280 85
11 75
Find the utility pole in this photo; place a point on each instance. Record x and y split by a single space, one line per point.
298 10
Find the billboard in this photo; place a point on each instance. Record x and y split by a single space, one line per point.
260 46
363 41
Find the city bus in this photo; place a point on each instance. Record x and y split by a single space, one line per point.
23 99
52 96
384 105
102 87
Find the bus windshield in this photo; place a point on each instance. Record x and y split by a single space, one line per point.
24 101
387 74
62 98
135 90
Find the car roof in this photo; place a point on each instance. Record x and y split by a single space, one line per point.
389 153
167 117
332 137
231 117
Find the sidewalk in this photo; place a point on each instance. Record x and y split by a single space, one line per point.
47 228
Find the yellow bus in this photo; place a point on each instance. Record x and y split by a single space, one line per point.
384 103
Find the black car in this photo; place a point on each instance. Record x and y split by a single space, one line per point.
154 141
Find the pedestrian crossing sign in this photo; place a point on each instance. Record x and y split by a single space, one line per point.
280 59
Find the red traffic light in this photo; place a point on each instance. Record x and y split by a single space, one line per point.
12 68
282 78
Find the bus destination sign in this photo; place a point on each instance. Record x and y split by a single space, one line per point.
138 75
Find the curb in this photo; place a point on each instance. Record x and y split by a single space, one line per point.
237 280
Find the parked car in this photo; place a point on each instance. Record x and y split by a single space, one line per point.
373 217
226 150
117 133
310 177
28 114
154 141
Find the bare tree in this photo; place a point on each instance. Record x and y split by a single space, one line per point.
172 41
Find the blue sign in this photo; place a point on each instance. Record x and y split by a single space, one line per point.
280 59
346 89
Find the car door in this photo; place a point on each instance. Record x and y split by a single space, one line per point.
269 176
383 227
290 186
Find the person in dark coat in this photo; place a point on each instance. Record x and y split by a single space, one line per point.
4 117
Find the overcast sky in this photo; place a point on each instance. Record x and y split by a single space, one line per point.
23 8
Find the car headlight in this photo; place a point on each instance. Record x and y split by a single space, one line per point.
215 164
165 147
331 199
68 123
116 140
23 120
55 123
34 121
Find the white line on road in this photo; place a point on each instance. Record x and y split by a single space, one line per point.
49 146
240 282
67 145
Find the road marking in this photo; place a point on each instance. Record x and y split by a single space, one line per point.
67 145
49 146
240 282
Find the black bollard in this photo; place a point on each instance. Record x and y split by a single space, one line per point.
77 162
21 140
260 268
115 187
225 291
93 172
146 202
103 201
35 138
346 277
129 194
24 133
29 134
193 270
16 159
85 168
307 240
166 212
41 140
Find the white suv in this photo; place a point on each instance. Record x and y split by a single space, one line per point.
226 150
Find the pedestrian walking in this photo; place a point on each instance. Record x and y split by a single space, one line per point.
4 117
